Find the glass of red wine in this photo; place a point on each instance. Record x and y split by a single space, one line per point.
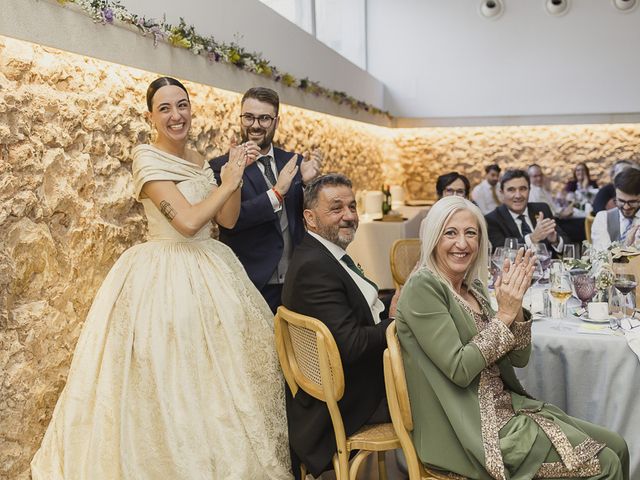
625 283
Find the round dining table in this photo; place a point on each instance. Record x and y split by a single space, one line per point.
590 372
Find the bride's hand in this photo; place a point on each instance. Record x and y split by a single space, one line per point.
231 173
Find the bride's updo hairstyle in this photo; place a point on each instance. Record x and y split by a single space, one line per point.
157 84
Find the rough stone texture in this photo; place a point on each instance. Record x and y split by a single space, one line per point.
423 153
67 128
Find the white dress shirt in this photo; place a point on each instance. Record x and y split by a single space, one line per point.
483 196
600 238
275 203
370 294
527 238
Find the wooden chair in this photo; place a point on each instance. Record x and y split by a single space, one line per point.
310 361
404 255
400 408
588 222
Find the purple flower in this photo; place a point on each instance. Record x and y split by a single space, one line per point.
107 15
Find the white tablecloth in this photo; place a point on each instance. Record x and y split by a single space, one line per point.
373 241
592 376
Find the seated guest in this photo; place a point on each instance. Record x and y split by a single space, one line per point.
605 199
620 224
323 282
485 194
471 415
453 183
516 217
581 180
539 194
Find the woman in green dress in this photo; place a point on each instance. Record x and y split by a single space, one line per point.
471 415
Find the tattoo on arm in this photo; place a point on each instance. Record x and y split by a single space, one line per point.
167 210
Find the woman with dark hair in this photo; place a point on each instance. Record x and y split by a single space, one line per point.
453 183
175 374
581 180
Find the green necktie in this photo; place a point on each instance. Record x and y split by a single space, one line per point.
351 264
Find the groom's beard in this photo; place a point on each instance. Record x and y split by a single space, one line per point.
341 234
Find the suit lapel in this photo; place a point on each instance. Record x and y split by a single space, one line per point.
509 222
355 292
253 174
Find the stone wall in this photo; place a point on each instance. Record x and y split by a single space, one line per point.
425 153
67 128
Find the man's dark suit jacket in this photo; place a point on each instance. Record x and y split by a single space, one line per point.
257 237
501 225
317 285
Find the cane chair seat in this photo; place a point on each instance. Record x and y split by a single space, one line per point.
310 361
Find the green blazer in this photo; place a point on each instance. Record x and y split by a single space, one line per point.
443 370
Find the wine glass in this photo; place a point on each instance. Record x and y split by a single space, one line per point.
585 286
561 291
497 260
625 283
544 258
569 256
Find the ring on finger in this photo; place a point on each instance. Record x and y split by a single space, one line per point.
239 163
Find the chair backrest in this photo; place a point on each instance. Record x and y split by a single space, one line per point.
404 255
588 222
398 399
308 355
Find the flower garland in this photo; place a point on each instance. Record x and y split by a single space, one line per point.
185 36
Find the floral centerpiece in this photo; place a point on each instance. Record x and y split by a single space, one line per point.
599 264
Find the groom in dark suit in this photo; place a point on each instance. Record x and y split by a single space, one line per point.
530 223
323 282
270 222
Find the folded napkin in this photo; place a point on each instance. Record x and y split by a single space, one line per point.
631 328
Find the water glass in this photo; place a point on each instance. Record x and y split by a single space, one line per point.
585 286
569 256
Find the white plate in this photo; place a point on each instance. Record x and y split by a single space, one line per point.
584 318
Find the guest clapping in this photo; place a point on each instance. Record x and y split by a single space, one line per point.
517 217
270 224
471 415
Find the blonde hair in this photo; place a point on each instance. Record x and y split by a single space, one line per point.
431 231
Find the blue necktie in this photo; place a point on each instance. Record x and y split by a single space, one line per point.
623 237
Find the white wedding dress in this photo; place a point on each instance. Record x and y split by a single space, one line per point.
175 375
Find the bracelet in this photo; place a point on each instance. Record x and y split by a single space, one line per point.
278 195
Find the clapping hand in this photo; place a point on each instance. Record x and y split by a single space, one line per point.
231 172
285 176
311 165
512 284
545 230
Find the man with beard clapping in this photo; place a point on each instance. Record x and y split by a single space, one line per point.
270 222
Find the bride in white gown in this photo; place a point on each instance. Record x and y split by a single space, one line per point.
175 375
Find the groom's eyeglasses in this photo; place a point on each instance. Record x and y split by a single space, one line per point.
264 121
